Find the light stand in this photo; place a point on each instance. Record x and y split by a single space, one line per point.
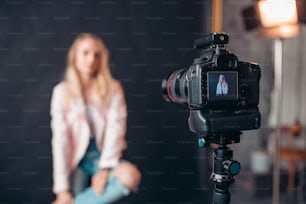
278 20
278 72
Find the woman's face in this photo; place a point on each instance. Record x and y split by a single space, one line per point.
87 57
221 78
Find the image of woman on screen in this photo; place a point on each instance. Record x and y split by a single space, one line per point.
222 86
88 122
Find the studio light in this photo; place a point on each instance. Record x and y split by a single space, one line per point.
275 18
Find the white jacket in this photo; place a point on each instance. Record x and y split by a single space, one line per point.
71 133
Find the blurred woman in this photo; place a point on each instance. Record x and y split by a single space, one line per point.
88 122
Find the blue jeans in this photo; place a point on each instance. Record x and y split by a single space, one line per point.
84 194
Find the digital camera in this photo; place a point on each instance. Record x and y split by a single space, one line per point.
222 92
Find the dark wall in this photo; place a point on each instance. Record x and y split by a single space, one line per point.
147 40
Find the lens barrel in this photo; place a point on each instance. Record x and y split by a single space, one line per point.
174 88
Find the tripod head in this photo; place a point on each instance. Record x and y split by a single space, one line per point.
220 139
224 167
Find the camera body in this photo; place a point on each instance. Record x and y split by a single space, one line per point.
222 92
241 82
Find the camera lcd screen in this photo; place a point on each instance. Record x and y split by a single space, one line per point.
222 85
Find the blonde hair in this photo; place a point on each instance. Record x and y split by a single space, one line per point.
102 78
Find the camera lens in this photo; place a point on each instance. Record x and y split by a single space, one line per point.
174 88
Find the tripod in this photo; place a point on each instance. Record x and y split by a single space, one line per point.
224 167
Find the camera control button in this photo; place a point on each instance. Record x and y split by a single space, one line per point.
202 142
232 167
244 91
